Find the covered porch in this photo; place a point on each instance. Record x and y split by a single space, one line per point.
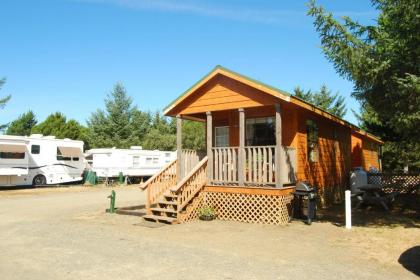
243 147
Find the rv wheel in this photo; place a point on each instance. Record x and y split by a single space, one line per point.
39 180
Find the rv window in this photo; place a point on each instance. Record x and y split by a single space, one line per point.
75 159
35 149
63 158
136 161
148 160
155 160
12 155
60 157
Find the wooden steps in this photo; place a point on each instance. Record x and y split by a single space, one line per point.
157 218
166 192
165 210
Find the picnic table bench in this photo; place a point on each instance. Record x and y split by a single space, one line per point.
371 194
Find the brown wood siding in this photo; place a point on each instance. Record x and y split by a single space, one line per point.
330 172
365 153
223 93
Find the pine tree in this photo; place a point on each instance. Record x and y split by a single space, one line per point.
121 125
22 125
383 62
57 125
162 134
324 99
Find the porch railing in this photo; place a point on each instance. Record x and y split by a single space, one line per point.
258 165
225 164
190 159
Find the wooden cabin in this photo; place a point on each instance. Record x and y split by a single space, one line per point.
259 142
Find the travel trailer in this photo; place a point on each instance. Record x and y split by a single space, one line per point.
39 160
134 162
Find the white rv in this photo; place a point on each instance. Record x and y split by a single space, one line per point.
134 162
39 160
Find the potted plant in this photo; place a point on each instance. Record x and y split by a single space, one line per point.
206 213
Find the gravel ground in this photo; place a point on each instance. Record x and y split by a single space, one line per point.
64 233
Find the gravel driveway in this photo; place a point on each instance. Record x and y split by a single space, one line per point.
64 233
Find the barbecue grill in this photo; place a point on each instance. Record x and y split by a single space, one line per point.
305 202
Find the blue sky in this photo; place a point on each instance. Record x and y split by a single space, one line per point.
66 55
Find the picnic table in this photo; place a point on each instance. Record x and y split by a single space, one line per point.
372 194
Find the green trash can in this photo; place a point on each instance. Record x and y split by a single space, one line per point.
120 178
90 178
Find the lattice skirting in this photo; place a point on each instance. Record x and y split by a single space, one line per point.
248 208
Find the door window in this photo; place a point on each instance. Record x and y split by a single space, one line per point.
260 132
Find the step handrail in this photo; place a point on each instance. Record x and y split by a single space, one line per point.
191 184
178 186
151 179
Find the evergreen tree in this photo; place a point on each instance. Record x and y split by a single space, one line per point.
324 99
22 125
3 102
383 61
300 93
162 134
193 135
121 125
57 125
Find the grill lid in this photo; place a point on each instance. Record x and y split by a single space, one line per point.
304 186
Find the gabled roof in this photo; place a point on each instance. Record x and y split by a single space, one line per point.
231 74
273 91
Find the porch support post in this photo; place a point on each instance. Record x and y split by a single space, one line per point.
241 152
209 142
279 150
180 163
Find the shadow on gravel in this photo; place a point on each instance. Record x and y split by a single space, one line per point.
63 185
405 212
410 260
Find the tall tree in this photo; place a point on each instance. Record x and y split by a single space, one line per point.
383 61
3 102
332 103
193 135
121 124
162 134
57 125
22 125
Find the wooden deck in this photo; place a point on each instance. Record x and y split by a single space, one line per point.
174 200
